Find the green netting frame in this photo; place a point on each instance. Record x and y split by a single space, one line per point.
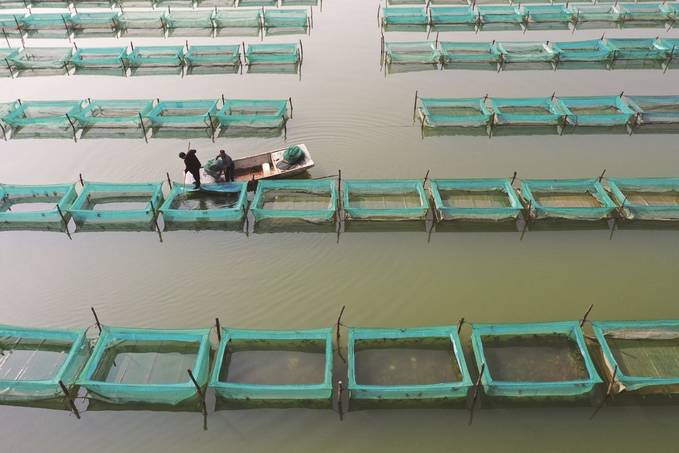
18 390
502 185
11 24
12 4
198 114
156 56
620 115
672 46
652 110
170 394
215 3
424 52
596 14
548 15
247 3
5 109
213 55
66 193
83 215
643 12
300 2
125 113
537 389
286 18
99 58
140 20
238 18
5 56
551 112
240 391
270 113
636 211
463 16
434 112
384 187
511 52
49 3
232 214
637 49
273 53
593 50
94 3
46 24
317 186
447 390
189 19
44 115
405 16
590 186
646 329
39 58
501 14
86 22
468 52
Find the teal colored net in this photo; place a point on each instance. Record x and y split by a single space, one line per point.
500 15
34 361
132 22
518 52
300 2
272 54
268 113
602 111
527 111
44 118
115 114
640 356
94 23
548 16
534 360
647 198
593 16
198 114
99 58
274 365
238 18
147 365
94 3
46 25
49 3
10 24
405 16
308 200
475 199
424 52
6 65
42 58
572 199
111 204
385 199
223 202
453 17
637 49
247 3
36 205
468 52
590 51
286 18
215 55
464 112
644 12
193 20
414 363
156 57
655 110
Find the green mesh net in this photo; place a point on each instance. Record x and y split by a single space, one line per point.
44 119
451 18
36 204
655 110
267 113
593 50
462 112
99 58
309 200
384 199
140 22
405 16
238 19
86 23
647 198
286 18
189 114
573 199
214 55
527 111
475 199
191 21
223 202
46 25
156 57
11 24
272 54
548 16
468 52
603 111
517 52
42 58
595 16
115 114
424 52
500 16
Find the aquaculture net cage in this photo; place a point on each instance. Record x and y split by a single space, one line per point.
548 16
199 114
655 110
385 199
46 25
644 13
637 49
424 52
115 115
290 19
246 3
647 198
10 25
44 118
99 58
36 205
223 202
534 360
35 361
595 16
643 355
599 111
418 363
274 365
189 22
266 113
285 53
450 18
525 52
213 56
42 58
527 111
309 200
501 16
475 199
590 51
237 21
468 52
140 22
460 112
98 23
156 57
147 365
109 204
573 199
404 16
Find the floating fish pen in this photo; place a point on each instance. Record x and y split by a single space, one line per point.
306 200
425 363
117 206
184 118
384 199
640 14
189 23
453 18
638 49
253 113
571 199
100 60
654 199
161 57
115 118
6 108
300 2
548 17
286 21
10 25
46 25
36 207
598 111
527 112
534 361
493 17
141 23
462 112
475 199
34 363
237 22
640 356
595 16
656 111
590 51
42 60
94 24
212 58
44 119
147 365
274 365
525 52
273 54
249 3
397 17
472 53
424 52
210 205
8 69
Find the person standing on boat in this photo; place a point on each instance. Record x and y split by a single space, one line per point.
192 165
227 165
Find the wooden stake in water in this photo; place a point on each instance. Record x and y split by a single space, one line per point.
477 387
340 392
219 329
415 106
169 181
426 176
199 390
63 219
143 128
584 318
338 324
96 319
67 394
513 179
601 176
460 323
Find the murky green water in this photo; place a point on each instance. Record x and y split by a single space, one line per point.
351 117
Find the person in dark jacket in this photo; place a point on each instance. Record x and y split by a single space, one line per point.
192 165
227 165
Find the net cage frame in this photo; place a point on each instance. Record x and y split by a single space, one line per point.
328 186
297 18
17 390
238 18
46 25
206 119
634 383
221 55
37 58
534 389
140 20
418 52
88 58
156 57
57 215
577 51
635 211
88 22
404 15
269 54
191 19
595 14
232 214
491 15
482 119
468 52
525 52
644 12
462 16
167 394
10 24
382 187
622 117
8 68
278 392
86 118
645 106
257 3
275 113
503 185
146 215
538 211
548 15
553 114
18 120
456 390
644 49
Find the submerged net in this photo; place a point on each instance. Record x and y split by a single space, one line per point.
212 203
405 16
99 58
575 199
463 112
286 18
475 199
115 113
527 111
94 23
268 113
311 200
548 15
272 54
468 52
655 109
36 204
238 18
385 199
218 55
46 25
193 20
192 114
110 204
412 52
39 58
647 198
511 52
156 56
594 50
501 15
453 17
602 111
637 49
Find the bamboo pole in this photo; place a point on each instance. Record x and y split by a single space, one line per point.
96 319
219 330
584 318
200 392
143 128
63 219
67 394
477 387
338 324
460 323
169 181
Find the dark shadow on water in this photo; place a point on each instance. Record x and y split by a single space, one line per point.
384 226
103 132
181 133
197 225
651 225
513 131
41 72
197 32
401 68
245 132
223 404
192 405
481 66
32 226
113 72
567 225
400 404
238 31
472 226
59 404
273 68
452 27
157 70
293 226
88 227
446 131
595 130
213 69
405 27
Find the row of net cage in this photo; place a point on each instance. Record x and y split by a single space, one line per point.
123 4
